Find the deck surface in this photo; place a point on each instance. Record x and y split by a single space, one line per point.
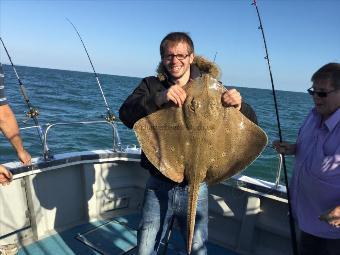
111 237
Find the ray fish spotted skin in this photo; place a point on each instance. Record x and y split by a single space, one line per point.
202 141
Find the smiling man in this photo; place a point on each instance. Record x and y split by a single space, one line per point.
164 199
315 186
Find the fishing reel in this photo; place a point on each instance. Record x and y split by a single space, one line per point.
32 113
109 117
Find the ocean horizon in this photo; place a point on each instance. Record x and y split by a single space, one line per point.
135 77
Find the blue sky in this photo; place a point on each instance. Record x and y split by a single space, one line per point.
123 37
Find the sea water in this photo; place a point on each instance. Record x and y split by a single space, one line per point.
70 96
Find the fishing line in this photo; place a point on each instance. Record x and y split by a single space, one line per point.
291 220
109 115
32 111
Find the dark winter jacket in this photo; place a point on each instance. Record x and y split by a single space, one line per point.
144 101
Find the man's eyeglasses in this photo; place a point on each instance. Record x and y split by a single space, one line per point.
178 56
312 92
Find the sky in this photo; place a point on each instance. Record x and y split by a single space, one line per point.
123 37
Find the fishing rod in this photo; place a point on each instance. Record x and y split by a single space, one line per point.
32 111
291 220
215 57
109 115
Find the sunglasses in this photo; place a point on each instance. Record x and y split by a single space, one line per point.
312 92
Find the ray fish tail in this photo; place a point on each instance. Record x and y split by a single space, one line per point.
192 206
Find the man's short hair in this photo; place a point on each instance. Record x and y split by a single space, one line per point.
175 38
329 71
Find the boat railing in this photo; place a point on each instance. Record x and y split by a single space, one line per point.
116 142
267 187
278 172
117 146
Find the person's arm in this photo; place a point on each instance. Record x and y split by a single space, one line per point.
331 164
9 127
5 176
248 111
140 103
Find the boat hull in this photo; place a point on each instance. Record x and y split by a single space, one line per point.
246 215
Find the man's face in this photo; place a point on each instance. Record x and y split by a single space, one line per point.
177 60
329 104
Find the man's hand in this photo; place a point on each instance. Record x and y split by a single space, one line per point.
334 217
24 157
5 176
175 94
284 147
231 98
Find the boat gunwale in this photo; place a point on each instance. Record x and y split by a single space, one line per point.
258 186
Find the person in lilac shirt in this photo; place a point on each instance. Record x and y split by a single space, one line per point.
315 184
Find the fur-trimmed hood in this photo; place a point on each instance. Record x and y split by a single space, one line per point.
204 65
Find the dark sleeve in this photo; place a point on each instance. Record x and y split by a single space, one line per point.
3 99
247 111
143 101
